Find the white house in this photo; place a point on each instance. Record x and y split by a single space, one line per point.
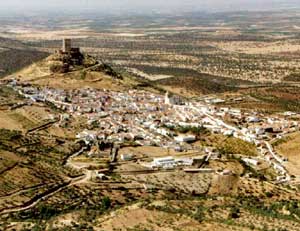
253 119
250 161
126 157
187 138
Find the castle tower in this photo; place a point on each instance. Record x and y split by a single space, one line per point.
67 45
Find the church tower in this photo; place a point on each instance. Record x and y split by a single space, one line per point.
167 98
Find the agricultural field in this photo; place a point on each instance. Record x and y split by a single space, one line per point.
289 147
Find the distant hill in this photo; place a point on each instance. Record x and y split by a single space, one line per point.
203 83
15 55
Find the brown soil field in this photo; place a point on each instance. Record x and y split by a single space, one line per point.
8 159
8 122
136 218
290 148
34 113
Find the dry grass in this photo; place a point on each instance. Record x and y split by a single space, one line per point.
136 218
259 47
23 118
180 181
74 81
231 145
8 122
290 148
34 113
39 73
7 160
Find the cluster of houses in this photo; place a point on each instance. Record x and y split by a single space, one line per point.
150 119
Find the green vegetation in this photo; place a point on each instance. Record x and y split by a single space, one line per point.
9 134
41 212
281 141
83 74
199 214
294 77
203 84
188 129
232 145
285 97
106 203
234 213
273 210
9 93
42 226
44 211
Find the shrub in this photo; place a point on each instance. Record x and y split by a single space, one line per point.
58 67
234 213
199 214
106 203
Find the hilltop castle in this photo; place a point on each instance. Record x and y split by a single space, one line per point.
67 57
67 47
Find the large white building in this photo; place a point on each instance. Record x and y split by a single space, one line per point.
164 162
170 162
187 138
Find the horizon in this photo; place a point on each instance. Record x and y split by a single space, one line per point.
142 7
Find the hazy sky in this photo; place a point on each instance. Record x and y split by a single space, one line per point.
148 5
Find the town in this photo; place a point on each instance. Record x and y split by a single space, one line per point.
149 119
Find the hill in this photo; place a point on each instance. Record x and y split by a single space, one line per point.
199 83
53 72
15 55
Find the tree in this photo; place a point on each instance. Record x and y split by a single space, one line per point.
106 203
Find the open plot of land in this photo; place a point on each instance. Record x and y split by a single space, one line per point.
260 48
25 117
135 217
290 148
8 160
38 114
152 152
178 181
8 122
